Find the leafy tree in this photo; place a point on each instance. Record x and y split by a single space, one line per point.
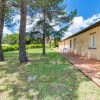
11 39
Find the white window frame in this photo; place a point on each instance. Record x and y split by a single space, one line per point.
93 40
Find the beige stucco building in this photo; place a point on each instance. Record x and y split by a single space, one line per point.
85 42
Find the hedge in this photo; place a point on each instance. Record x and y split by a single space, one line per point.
31 46
16 47
10 48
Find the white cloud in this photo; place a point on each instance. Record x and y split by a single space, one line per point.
80 23
56 27
29 24
6 31
16 20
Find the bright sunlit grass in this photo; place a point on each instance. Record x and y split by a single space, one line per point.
56 78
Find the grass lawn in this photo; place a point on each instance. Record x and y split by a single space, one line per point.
56 78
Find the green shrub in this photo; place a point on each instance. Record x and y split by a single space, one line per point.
31 46
16 47
10 48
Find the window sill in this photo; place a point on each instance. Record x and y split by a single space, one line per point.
92 48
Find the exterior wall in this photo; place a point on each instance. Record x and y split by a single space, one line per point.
63 44
81 44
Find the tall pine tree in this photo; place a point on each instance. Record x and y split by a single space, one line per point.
2 17
52 13
22 50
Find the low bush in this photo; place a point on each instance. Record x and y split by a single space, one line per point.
31 46
10 48
7 48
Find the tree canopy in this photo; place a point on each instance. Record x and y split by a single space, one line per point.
51 14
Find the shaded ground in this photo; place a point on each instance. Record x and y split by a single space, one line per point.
56 78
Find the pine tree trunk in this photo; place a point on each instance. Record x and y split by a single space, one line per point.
44 31
22 49
43 44
1 27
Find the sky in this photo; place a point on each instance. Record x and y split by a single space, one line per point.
85 8
88 12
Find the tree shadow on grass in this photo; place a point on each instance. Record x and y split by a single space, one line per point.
56 78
